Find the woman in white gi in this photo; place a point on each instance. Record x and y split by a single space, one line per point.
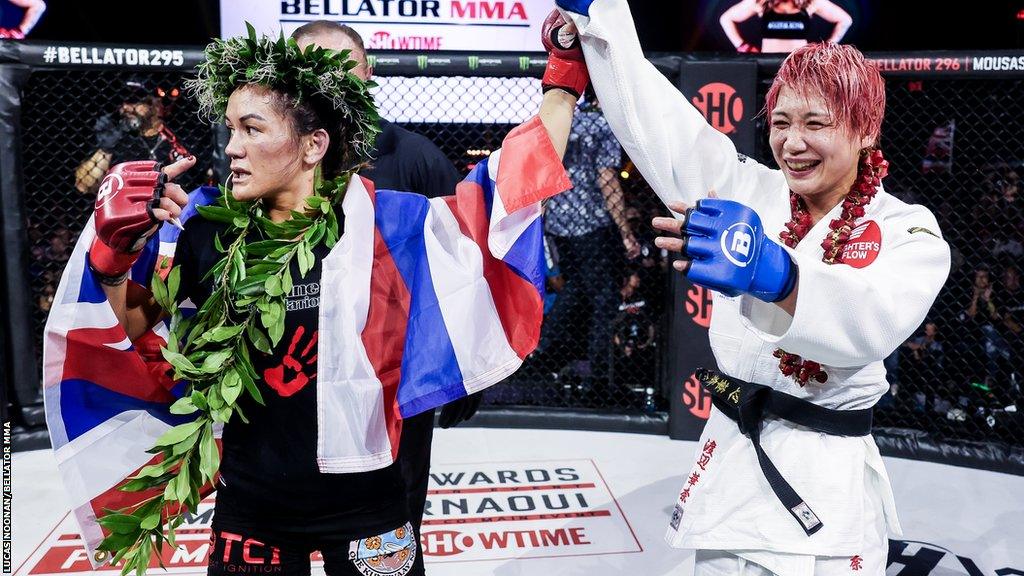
799 330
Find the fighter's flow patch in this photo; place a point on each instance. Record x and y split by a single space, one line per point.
863 246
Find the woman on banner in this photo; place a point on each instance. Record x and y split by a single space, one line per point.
785 24
306 313
818 274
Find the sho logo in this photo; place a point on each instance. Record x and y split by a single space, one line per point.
111 185
445 542
698 305
696 399
421 62
737 243
721 106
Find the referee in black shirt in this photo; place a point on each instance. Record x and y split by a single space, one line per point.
407 162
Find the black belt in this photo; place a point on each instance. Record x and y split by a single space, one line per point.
748 404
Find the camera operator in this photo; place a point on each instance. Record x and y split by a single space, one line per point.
136 130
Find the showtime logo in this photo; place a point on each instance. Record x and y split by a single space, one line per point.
453 542
384 40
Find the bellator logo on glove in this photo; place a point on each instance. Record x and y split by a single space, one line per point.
124 216
111 185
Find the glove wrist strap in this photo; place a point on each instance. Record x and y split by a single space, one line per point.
109 263
569 75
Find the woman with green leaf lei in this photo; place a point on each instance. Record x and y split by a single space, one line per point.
301 125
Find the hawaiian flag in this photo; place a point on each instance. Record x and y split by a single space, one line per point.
425 301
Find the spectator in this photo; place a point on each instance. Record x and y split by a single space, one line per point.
136 131
924 366
588 227
58 250
984 315
634 335
554 281
46 298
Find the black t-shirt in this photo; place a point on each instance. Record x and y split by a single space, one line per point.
270 479
408 162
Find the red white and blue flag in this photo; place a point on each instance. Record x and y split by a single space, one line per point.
422 302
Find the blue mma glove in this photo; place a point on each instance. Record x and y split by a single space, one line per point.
731 254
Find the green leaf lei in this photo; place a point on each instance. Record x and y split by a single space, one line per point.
245 312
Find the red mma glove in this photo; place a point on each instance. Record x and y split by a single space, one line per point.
566 68
124 217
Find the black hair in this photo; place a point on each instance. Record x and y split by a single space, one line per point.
313 114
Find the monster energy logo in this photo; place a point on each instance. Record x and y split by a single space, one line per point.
474 62
421 62
524 62
371 60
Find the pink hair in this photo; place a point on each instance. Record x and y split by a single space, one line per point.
850 84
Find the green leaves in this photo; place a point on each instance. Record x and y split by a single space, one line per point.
224 333
119 523
214 361
183 405
178 433
259 339
305 257
231 386
219 213
209 456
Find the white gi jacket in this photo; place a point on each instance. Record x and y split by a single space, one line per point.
847 318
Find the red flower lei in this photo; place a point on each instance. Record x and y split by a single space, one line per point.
871 169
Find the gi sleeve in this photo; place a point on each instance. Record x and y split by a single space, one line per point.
847 316
681 156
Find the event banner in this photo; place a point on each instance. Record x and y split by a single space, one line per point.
474 512
422 25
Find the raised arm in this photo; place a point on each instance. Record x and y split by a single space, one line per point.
125 218
565 79
730 19
681 156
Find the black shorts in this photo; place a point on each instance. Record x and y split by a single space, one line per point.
236 551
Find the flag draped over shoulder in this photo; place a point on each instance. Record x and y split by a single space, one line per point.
422 302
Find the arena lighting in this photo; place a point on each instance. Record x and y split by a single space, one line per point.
624 174
1020 15
478 152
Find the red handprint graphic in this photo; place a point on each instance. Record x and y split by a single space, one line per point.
275 376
